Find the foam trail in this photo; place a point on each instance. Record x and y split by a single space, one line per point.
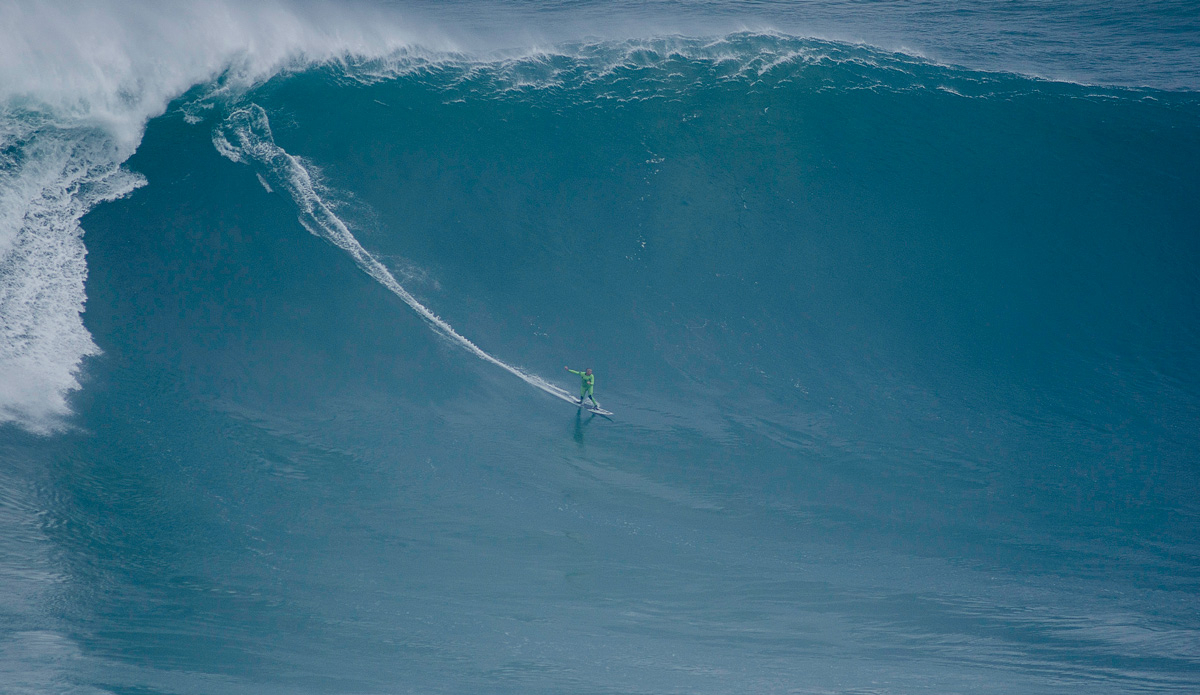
245 136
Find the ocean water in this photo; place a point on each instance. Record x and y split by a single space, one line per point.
896 305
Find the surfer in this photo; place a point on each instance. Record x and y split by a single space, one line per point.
588 382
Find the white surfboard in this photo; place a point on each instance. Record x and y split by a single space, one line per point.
589 407
593 409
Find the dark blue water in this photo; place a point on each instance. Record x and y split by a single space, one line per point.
901 355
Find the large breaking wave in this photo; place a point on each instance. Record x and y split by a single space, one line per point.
77 88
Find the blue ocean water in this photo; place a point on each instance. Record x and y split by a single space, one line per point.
896 306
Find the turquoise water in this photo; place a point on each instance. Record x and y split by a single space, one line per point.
901 352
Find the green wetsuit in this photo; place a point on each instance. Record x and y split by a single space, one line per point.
586 387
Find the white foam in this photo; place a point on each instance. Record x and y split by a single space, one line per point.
56 176
246 137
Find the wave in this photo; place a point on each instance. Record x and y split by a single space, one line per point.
70 118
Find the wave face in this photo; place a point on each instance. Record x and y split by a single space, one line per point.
903 360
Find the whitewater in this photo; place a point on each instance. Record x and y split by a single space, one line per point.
896 303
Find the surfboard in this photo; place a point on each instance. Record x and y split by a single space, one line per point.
593 409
